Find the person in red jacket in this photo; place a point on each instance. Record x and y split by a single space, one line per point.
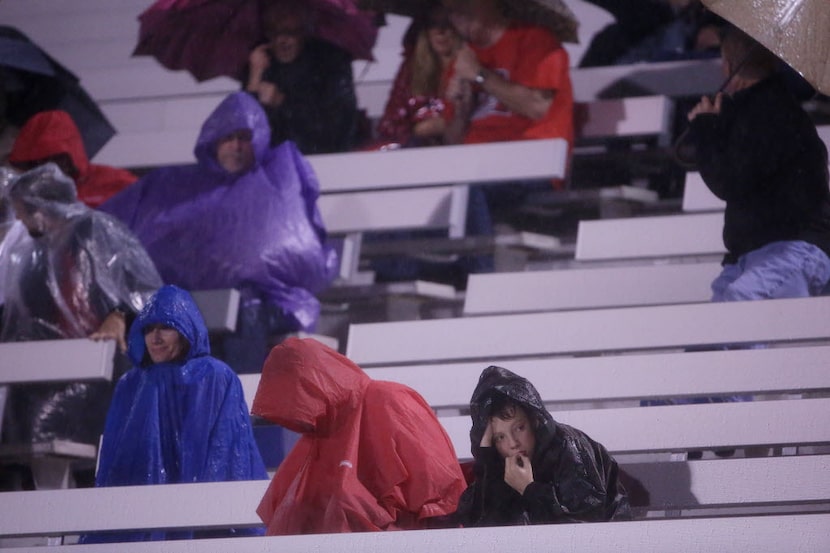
53 136
372 455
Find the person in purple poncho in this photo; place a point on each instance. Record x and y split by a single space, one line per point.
243 216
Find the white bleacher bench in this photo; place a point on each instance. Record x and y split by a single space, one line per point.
648 116
619 379
219 308
800 483
805 533
665 236
587 288
589 331
423 188
440 165
697 196
56 361
673 79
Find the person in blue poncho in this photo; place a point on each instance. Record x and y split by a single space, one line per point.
243 216
178 415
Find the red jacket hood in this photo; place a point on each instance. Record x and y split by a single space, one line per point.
50 133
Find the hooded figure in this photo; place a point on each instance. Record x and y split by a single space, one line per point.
574 478
76 268
53 136
179 420
257 229
372 455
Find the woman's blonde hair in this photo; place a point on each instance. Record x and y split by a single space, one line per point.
426 63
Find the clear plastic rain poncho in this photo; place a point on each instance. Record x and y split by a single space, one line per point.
63 284
179 421
206 228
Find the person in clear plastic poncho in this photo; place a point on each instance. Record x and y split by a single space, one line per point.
244 216
179 415
530 469
77 273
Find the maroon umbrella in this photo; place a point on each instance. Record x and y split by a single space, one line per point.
210 38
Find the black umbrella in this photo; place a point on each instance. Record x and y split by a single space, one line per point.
31 82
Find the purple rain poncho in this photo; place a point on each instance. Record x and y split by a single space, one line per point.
259 231
63 285
176 422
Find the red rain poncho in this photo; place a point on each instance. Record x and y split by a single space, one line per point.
372 455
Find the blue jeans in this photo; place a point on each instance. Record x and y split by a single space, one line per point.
785 269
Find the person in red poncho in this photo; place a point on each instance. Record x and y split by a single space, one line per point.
372 455
53 136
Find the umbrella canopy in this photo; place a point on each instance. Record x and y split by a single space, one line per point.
31 82
211 38
797 31
553 14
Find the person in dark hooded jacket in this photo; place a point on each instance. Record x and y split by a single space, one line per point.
530 469
179 415
243 216
53 136
758 150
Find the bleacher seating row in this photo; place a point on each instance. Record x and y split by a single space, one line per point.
596 340
599 394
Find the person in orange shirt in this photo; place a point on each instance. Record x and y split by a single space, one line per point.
511 80
53 136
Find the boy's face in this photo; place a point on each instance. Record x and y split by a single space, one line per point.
514 436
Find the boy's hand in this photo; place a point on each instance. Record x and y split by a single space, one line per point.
518 473
707 106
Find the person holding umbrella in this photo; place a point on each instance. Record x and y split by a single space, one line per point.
304 83
758 150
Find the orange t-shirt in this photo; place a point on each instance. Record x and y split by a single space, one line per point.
531 56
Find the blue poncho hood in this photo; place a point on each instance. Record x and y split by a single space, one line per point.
259 231
173 307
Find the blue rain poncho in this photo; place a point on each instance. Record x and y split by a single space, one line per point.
176 422
206 228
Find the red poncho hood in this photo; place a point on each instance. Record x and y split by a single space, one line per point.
50 133
372 455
